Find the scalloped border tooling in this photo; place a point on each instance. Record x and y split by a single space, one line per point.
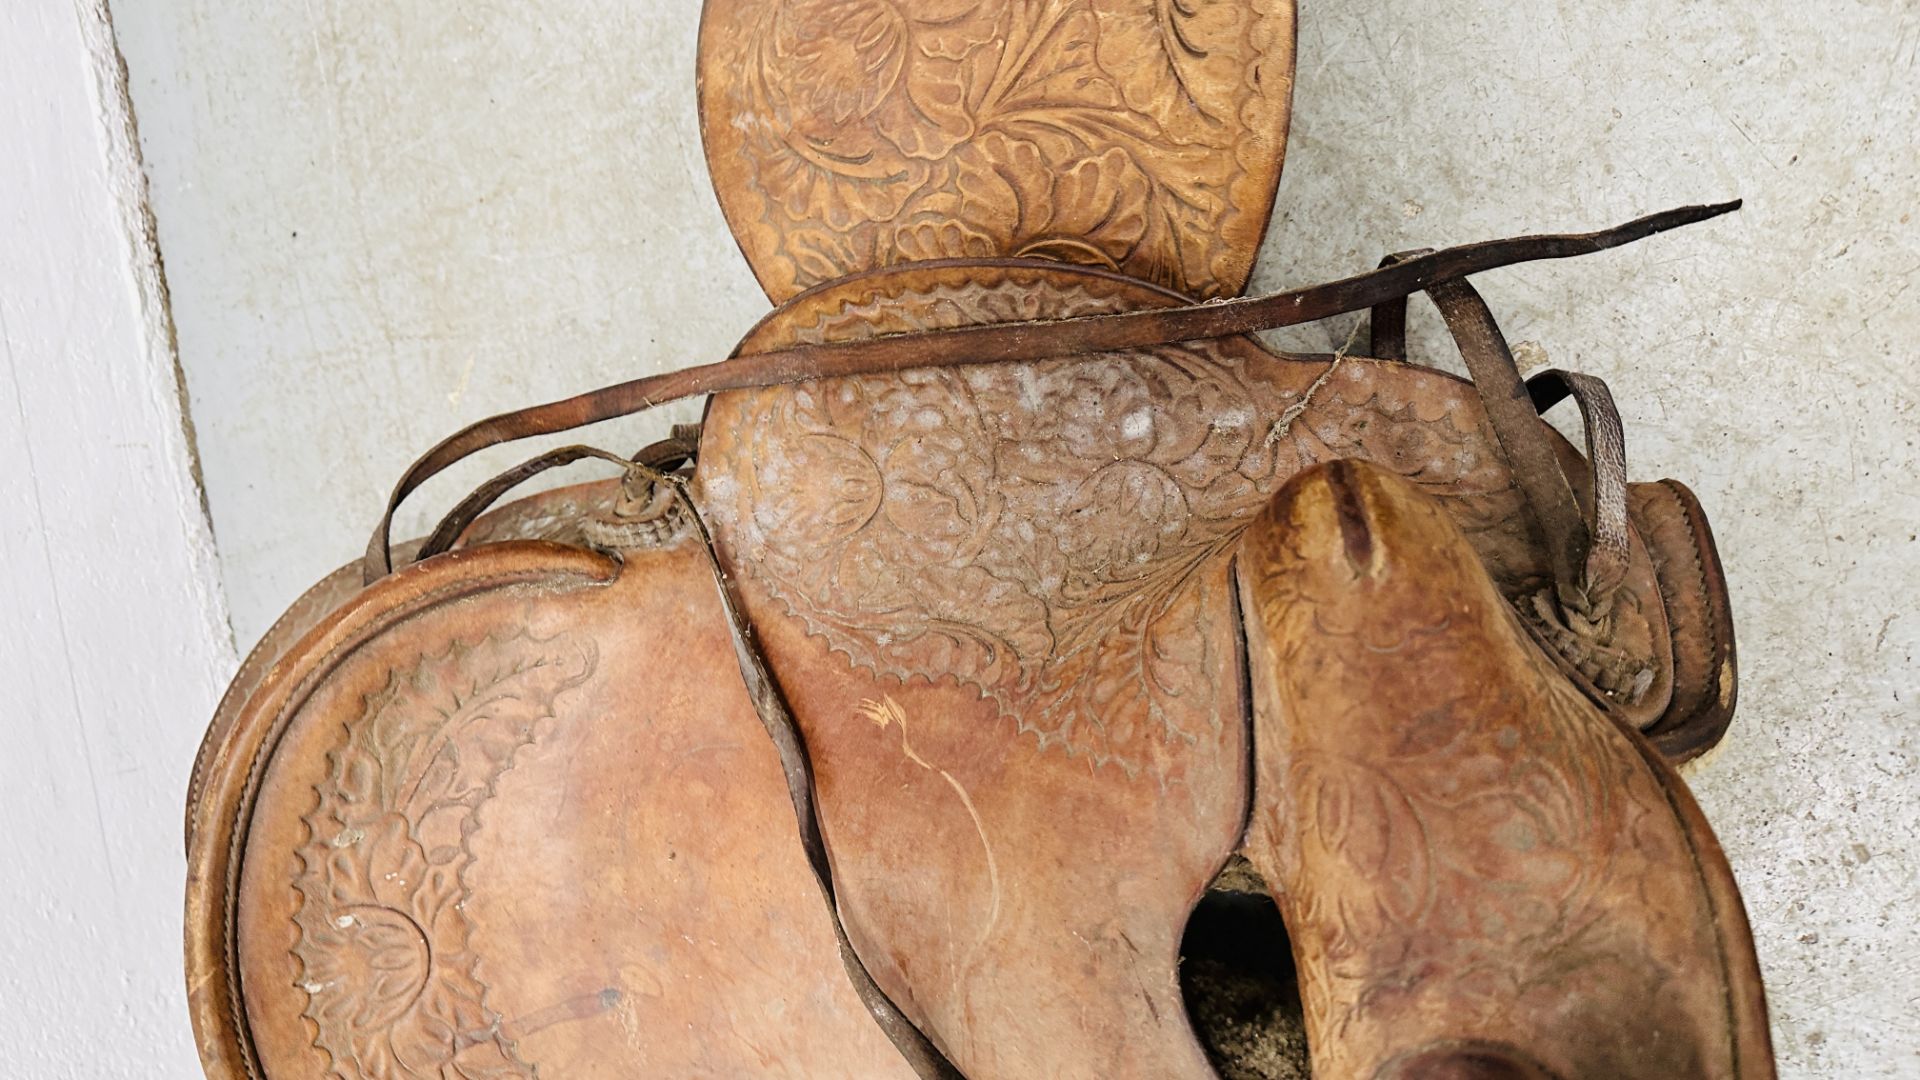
384 942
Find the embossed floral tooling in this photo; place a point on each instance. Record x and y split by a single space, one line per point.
385 946
1138 135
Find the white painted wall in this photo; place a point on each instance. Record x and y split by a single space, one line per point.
113 639
384 218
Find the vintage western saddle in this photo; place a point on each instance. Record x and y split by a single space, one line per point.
1057 612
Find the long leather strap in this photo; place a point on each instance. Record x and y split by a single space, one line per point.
1012 342
776 716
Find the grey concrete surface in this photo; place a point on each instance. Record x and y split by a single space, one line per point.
382 220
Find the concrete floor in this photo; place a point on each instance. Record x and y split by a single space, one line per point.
384 219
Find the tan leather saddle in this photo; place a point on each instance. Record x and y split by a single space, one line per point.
1036 594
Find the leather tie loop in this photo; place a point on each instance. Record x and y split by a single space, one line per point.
448 531
1609 548
1590 552
667 453
1387 322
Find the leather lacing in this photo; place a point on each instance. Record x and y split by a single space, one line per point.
647 513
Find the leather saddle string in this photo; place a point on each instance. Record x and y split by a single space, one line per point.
1588 557
660 456
1010 342
1609 551
770 703
450 527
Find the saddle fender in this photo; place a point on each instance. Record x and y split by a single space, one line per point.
1481 873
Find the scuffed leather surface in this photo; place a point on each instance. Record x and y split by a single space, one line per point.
1023 569
513 803
1465 850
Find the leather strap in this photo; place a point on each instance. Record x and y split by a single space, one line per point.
769 703
1589 555
1523 438
1387 323
448 531
1011 342
776 716
663 456
1609 548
